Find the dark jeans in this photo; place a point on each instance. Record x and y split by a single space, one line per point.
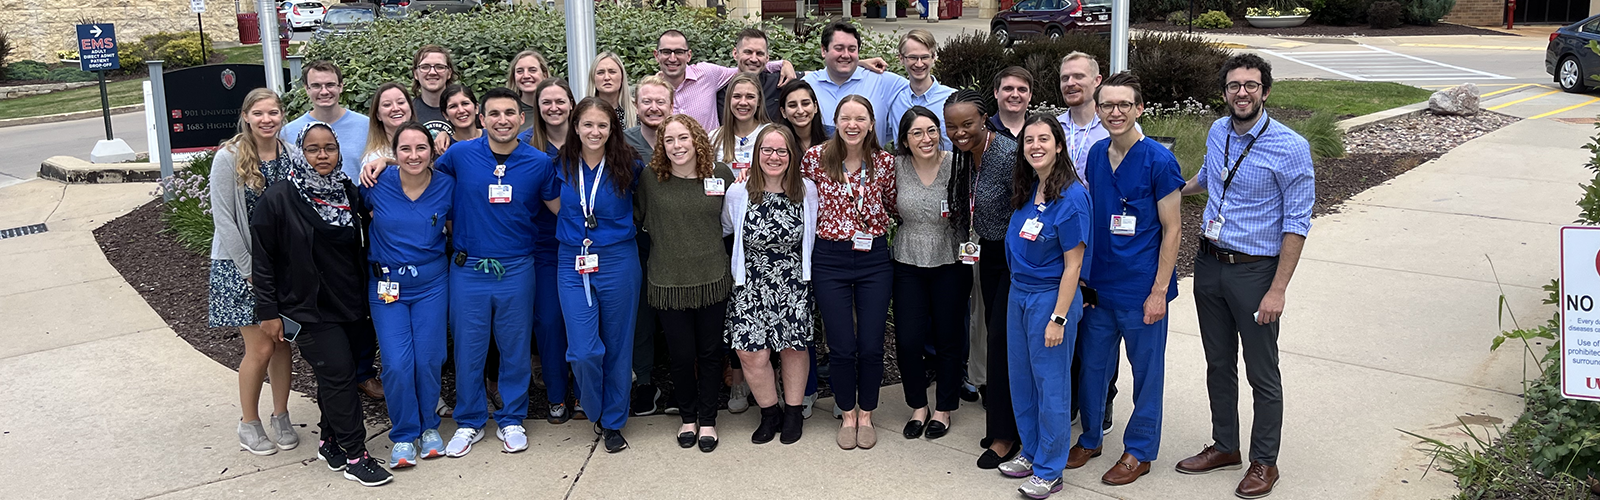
644 327
853 290
331 349
1225 297
930 305
694 344
994 279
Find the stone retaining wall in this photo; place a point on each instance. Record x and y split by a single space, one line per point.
39 28
41 88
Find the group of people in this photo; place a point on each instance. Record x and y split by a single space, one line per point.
526 230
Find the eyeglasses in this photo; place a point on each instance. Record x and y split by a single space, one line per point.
778 152
917 58
318 151
319 87
673 52
1120 107
432 68
1249 87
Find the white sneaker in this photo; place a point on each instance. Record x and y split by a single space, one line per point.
514 437
461 443
739 398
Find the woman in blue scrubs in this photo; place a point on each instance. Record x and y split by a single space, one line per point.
408 290
597 271
1045 246
548 133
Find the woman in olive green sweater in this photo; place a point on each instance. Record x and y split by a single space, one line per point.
688 281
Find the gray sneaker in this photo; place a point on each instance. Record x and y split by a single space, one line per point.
283 432
1039 489
739 398
253 438
809 401
1017 467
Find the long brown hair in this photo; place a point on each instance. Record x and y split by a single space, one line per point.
794 187
541 137
619 156
726 136
377 136
705 164
833 151
1023 176
247 164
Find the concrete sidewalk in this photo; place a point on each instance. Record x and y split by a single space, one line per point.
1387 328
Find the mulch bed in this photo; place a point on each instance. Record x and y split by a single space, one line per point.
1242 27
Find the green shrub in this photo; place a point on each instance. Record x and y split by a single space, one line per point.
175 50
1427 12
131 56
1213 19
1178 18
1340 12
70 74
28 69
1043 58
970 60
482 43
1176 67
188 214
1323 132
1385 14
5 53
1152 10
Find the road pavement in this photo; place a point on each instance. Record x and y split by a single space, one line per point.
29 145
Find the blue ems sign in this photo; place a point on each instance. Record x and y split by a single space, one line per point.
97 47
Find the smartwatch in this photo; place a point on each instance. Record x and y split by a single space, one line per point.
1058 319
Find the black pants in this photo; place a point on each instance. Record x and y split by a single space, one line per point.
853 291
1226 296
330 349
367 356
694 344
930 305
1077 374
644 327
994 279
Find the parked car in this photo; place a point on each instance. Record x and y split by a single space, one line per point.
1050 18
425 7
301 14
1568 58
344 18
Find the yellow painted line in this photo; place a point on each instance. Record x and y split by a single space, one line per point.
1479 47
1231 45
1566 109
1522 100
1502 91
1290 45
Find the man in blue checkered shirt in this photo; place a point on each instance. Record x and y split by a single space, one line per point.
1259 176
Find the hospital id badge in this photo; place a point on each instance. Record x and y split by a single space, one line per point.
1123 225
1030 229
587 263
389 291
1214 228
499 193
714 186
944 208
862 242
969 252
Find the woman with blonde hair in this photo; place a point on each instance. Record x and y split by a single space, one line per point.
243 168
608 80
528 69
743 116
390 108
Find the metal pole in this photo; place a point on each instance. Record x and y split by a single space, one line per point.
296 64
1191 15
105 103
271 58
158 94
580 44
1119 35
206 56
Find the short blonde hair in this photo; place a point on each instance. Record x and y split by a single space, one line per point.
921 36
657 80
1074 55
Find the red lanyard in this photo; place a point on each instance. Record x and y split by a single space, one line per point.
340 207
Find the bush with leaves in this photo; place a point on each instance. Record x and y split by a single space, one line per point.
1385 14
1214 19
1427 12
1340 12
1042 58
1178 18
969 60
188 213
482 43
69 74
175 50
28 69
5 53
1176 67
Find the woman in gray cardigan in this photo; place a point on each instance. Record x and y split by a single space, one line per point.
242 169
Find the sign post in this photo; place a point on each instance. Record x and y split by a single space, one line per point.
97 52
199 7
1580 322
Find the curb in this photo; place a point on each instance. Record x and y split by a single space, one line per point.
78 171
61 117
1388 115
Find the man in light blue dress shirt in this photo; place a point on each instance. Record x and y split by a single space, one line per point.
918 53
841 52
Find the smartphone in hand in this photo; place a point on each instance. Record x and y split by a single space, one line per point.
291 329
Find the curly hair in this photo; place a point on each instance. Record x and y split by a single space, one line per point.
704 161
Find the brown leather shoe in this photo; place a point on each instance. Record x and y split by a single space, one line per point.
1210 460
1125 471
1258 481
372 387
1078 456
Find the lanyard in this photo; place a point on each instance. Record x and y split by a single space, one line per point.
1080 140
859 192
1227 181
340 207
588 204
972 190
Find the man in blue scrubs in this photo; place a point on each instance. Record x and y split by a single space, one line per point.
1133 183
499 181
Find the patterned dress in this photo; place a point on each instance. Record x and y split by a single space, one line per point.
772 310
232 302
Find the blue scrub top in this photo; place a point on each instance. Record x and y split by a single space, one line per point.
496 230
1036 266
1125 266
613 211
544 245
403 231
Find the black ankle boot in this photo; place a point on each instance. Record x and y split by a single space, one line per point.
771 419
793 421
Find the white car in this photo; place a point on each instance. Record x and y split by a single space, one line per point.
299 15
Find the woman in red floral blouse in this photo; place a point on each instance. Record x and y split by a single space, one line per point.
852 269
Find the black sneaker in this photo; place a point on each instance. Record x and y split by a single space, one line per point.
368 471
330 451
558 414
614 440
644 400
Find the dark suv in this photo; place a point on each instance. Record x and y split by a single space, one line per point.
1051 18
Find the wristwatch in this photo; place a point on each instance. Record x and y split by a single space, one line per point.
1058 319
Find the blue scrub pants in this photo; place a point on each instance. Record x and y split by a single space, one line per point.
853 291
1041 380
600 335
1147 347
411 334
548 328
483 305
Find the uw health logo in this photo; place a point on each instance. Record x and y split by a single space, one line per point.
228 79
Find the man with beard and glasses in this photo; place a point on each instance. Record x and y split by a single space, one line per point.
695 85
1260 177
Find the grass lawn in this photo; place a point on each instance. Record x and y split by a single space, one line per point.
1343 99
120 93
